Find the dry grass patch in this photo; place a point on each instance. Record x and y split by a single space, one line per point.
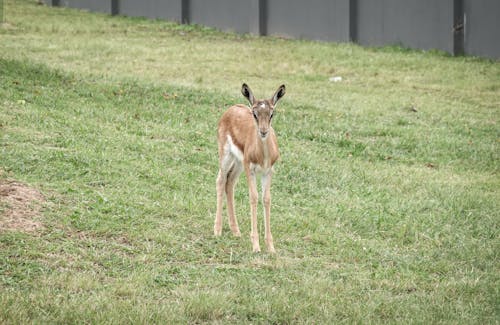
20 207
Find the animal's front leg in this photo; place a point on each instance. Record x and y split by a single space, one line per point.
254 197
266 200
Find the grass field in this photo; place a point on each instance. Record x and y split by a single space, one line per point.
386 198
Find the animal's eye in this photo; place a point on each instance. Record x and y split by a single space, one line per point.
272 113
254 115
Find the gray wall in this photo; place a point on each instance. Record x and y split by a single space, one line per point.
455 26
482 28
422 24
228 15
326 20
92 5
169 10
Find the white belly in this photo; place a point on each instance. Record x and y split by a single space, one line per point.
233 157
233 149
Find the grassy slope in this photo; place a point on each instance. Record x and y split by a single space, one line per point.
379 213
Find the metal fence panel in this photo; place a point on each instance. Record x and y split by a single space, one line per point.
326 20
423 24
482 28
92 5
170 10
228 15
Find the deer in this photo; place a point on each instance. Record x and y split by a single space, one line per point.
247 142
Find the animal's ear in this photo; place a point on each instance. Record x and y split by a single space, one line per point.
247 92
278 94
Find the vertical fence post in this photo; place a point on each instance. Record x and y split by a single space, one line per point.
115 7
185 12
458 27
258 18
353 21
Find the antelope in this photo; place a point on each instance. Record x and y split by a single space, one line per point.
247 142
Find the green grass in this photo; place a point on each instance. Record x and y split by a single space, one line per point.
380 214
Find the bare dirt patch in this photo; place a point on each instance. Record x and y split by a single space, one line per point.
20 207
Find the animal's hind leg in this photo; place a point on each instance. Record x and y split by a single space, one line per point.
220 185
232 179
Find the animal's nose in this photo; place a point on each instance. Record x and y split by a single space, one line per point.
264 133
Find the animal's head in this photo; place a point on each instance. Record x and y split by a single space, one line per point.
262 109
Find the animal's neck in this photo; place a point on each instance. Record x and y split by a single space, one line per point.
264 146
265 152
